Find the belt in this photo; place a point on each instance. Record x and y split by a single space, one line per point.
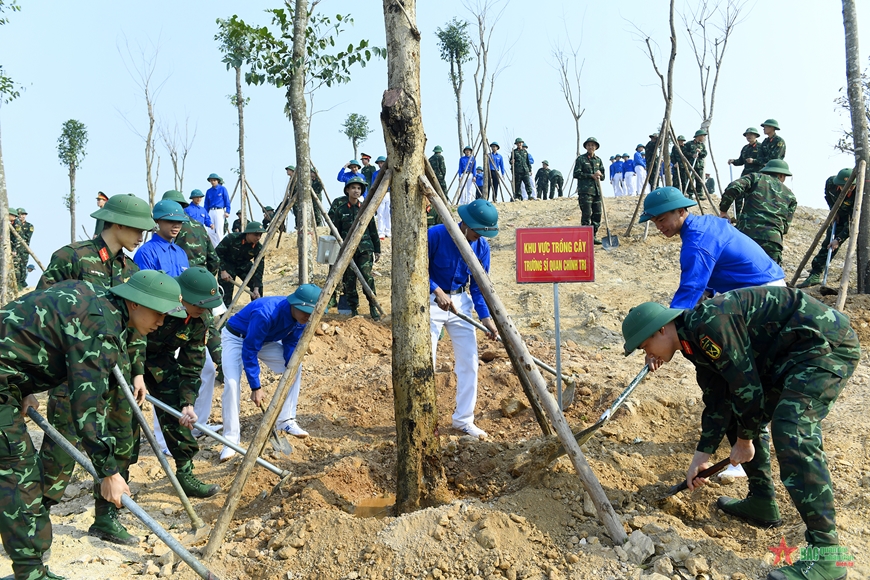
460 290
234 332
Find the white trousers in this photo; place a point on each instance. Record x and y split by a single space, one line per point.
618 185
383 217
272 354
464 340
466 184
217 220
628 181
642 185
202 406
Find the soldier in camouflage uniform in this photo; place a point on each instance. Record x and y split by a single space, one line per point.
14 244
439 167
193 239
747 154
763 355
101 262
833 187
237 223
237 253
588 169
695 152
343 212
73 330
542 180
768 208
368 170
556 182
522 170
26 232
175 379
652 161
679 172
773 146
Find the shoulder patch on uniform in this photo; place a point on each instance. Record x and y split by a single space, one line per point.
104 254
686 346
182 335
710 348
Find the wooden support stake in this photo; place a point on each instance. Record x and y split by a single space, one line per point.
853 237
251 189
234 495
516 347
26 247
696 174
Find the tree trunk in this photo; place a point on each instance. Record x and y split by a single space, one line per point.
301 129
5 244
355 149
457 90
149 152
420 479
72 204
857 108
240 104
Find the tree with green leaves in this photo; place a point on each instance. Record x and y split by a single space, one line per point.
356 128
454 43
71 152
9 91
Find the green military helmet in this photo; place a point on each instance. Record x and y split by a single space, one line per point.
437 149
254 228
467 148
481 216
518 140
199 287
169 210
643 321
654 135
176 196
13 211
545 162
127 210
776 166
268 208
663 200
305 297
290 168
625 155
771 123
239 213
843 176
612 157
700 132
196 193
152 289
752 130
380 158
591 140
356 179
22 211
681 138
639 146
354 162
495 144
215 176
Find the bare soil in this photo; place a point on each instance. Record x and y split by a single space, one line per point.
512 516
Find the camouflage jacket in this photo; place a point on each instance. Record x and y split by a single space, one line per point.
649 153
584 169
14 243
367 172
689 150
26 231
520 162
749 151
189 336
237 256
752 337
71 332
91 261
542 177
677 161
438 165
771 149
343 214
844 214
237 226
194 240
768 206
555 175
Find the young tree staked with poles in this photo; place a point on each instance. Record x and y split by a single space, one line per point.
71 152
454 43
356 129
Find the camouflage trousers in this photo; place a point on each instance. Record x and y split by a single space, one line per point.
543 188
25 526
364 261
521 179
21 274
556 182
822 257
590 209
58 465
179 439
772 248
694 187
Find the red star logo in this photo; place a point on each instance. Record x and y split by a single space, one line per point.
783 552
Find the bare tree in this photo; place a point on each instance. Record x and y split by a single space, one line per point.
178 144
845 144
569 66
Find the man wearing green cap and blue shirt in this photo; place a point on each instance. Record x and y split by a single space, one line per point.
161 252
193 237
351 169
628 175
467 167
237 253
450 282
496 166
588 169
266 330
72 331
763 356
768 208
439 166
773 146
640 169
196 211
217 204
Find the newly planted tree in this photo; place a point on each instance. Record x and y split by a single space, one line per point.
455 46
356 128
71 152
178 143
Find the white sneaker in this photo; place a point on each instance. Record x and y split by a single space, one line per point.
733 471
227 454
473 430
291 427
216 428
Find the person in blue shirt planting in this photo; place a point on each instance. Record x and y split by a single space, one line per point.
450 282
265 330
161 252
218 206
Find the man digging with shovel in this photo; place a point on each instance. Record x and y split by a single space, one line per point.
762 355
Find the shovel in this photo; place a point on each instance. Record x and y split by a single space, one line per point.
279 444
611 241
830 253
709 472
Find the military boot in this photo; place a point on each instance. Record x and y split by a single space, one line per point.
107 527
49 575
820 569
354 312
193 486
814 279
760 512
374 312
332 302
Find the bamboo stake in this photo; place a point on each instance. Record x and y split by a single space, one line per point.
26 247
235 189
853 237
510 336
696 174
430 174
234 495
251 189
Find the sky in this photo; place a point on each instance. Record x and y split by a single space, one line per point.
788 64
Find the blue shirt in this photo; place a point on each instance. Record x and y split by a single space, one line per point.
617 167
217 197
467 165
447 269
716 256
612 171
639 159
158 254
531 159
497 162
344 175
267 319
478 179
627 166
198 213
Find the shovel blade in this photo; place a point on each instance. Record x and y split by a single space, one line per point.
280 444
568 395
609 242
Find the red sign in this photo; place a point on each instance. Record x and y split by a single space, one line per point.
555 255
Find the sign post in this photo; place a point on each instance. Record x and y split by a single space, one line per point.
554 255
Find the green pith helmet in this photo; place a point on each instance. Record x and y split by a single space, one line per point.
639 146
643 321
13 211
843 176
169 210
199 287
152 289
254 228
381 158
592 140
612 157
22 211
175 196
518 140
127 210
625 154
495 144
239 213
681 138
662 200
354 162
481 216
771 123
752 130
776 166
654 135
467 148
268 208
290 168
437 149
305 297
196 193
358 180
700 132
545 162
215 176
